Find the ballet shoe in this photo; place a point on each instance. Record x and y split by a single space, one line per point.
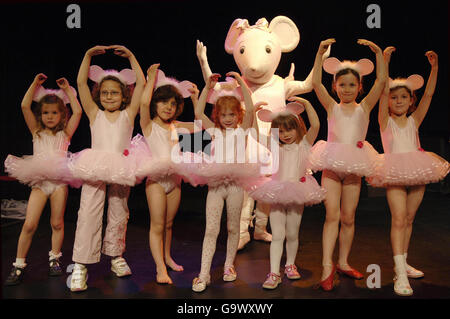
401 285
328 283
262 236
413 272
352 273
244 239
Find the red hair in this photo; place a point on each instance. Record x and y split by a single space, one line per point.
227 102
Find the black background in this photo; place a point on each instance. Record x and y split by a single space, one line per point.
35 38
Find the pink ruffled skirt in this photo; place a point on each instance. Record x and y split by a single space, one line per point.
31 170
360 159
408 169
305 192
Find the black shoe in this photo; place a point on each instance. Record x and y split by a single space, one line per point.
15 277
55 268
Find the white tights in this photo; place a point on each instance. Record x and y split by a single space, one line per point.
285 223
233 196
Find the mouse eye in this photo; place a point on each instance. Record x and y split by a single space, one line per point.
241 50
268 49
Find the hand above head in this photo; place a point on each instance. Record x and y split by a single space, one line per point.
120 50
324 45
152 69
63 83
375 48
194 92
300 100
212 80
236 75
387 53
97 50
432 58
201 52
259 106
40 78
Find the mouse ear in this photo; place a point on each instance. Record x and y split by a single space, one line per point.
128 76
233 34
184 87
364 67
39 93
415 81
265 115
295 107
96 73
331 65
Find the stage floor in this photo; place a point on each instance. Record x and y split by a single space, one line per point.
430 252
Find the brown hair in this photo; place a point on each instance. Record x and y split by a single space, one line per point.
164 93
227 102
413 106
289 122
344 72
51 99
127 92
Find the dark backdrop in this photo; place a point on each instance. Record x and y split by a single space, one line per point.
35 39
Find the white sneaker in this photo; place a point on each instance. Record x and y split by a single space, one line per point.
401 285
78 278
120 267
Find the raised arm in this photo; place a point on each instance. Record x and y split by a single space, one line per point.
383 108
199 109
203 59
424 105
313 119
28 115
133 108
322 94
74 120
371 99
88 104
248 116
190 126
145 99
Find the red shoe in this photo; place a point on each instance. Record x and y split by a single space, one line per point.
327 284
352 273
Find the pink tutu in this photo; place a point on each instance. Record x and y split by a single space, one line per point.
95 166
200 169
33 169
305 192
360 159
408 169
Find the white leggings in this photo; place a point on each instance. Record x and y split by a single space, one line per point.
234 196
285 223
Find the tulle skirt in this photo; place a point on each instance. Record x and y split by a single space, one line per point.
305 192
360 159
33 169
408 169
200 169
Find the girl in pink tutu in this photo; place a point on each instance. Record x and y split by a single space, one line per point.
225 172
46 171
345 157
291 187
405 166
159 109
108 164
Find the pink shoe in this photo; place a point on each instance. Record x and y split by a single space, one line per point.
229 274
272 281
291 272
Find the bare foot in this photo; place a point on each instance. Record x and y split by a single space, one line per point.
173 265
163 279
